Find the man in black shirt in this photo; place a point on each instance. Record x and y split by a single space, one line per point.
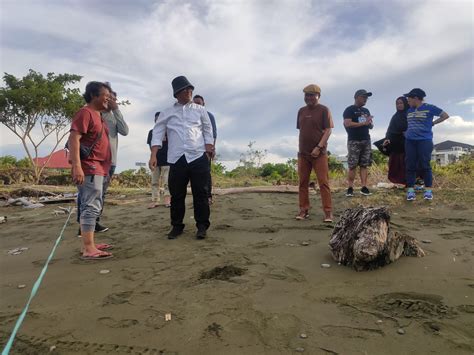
358 121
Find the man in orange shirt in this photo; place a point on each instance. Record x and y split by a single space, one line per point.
315 124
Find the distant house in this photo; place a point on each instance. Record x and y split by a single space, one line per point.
59 160
448 152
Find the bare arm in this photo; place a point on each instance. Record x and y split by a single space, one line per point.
324 139
443 117
153 161
74 155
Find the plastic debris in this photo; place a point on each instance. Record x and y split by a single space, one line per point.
167 317
17 251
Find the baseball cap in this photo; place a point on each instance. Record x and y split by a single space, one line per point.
417 92
312 89
362 92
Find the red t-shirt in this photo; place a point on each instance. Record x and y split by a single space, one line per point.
89 123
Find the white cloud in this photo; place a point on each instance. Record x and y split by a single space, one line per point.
455 128
249 59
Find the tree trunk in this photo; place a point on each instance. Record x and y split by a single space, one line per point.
362 239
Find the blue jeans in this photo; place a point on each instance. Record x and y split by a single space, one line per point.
417 158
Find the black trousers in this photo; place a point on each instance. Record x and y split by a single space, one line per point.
209 193
198 173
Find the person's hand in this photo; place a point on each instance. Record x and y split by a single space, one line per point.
210 151
316 152
113 103
153 162
369 120
77 174
386 142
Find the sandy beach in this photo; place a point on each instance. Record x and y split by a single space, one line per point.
254 286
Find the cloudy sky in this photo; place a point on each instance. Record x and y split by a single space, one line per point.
250 60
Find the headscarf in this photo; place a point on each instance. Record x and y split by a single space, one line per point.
398 125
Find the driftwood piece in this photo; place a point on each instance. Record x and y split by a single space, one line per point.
258 189
362 239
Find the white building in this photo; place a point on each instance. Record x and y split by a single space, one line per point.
448 152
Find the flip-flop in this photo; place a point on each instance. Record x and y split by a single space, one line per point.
103 247
155 205
102 255
328 220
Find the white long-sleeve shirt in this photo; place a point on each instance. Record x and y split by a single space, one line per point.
188 128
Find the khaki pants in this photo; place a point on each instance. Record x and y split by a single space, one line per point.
320 167
159 183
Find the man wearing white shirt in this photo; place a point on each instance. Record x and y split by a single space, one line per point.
190 146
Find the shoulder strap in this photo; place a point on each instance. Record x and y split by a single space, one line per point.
99 136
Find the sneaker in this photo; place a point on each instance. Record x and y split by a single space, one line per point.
201 233
350 192
175 232
99 228
365 191
302 215
411 195
428 195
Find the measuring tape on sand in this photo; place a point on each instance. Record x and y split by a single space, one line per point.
34 290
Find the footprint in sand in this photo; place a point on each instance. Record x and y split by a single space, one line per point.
122 323
117 298
413 305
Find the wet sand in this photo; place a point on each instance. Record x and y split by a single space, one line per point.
252 287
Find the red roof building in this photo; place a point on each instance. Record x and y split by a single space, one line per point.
59 160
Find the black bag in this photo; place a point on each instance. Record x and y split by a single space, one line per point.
386 150
84 150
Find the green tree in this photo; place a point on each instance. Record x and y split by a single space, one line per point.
38 108
335 165
379 158
7 161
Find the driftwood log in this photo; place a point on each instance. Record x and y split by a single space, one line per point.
363 240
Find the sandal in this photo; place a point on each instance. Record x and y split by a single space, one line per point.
101 255
153 205
103 247
302 216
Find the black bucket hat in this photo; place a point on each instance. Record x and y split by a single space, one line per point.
180 83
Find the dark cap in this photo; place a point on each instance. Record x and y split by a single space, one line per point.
180 83
417 92
362 92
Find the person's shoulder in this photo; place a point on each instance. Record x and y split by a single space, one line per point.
86 112
303 109
349 110
323 107
429 106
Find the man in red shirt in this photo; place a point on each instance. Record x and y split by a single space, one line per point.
89 170
315 124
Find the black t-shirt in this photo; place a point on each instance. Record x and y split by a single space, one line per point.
357 114
162 155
